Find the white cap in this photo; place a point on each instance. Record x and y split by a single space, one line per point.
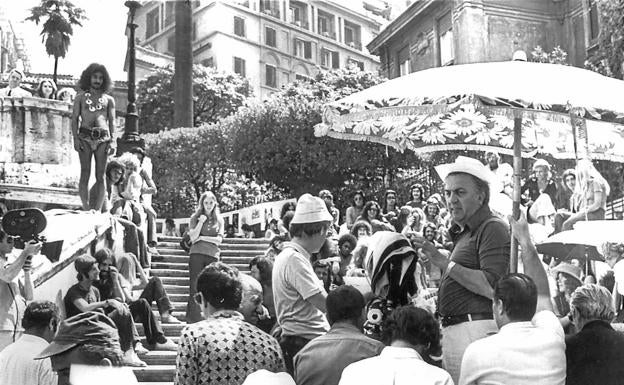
311 209
466 165
519 55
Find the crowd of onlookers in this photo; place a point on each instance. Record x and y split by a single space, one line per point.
301 310
46 89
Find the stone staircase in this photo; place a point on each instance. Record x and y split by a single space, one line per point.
172 267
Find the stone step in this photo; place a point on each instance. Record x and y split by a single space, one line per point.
171 330
155 383
169 272
225 240
224 253
176 289
178 297
185 258
180 281
177 305
159 358
169 265
167 246
155 373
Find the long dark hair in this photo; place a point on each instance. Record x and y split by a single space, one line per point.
39 90
85 78
356 193
113 164
367 206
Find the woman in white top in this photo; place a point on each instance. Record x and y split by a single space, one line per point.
589 200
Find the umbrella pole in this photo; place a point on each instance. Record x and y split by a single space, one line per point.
517 166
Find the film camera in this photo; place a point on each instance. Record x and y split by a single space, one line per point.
26 225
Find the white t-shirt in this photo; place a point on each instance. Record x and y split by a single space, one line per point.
618 272
520 353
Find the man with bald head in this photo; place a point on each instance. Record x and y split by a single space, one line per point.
251 306
480 257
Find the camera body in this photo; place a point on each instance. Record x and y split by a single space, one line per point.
26 225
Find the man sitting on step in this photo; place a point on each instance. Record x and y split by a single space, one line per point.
110 287
84 297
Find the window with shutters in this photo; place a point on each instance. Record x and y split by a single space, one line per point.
270 37
330 59
270 76
356 63
352 35
302 48
239 66
208 62
335 59
153 23
594 26
239 26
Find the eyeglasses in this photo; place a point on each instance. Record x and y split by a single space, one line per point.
373 209
358 199
391 197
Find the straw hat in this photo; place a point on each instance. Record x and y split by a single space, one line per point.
468 166
311 209
569 269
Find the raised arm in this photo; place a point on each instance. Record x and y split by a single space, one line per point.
532 265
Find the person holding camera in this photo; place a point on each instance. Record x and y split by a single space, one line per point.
15 288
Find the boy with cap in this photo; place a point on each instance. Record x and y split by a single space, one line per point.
88 338
298 295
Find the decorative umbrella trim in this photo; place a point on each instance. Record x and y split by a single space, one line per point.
469 123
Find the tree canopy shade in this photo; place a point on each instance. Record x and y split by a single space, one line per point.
60 17
216 95
274 139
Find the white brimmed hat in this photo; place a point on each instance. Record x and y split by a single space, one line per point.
311 209
466 165
541 163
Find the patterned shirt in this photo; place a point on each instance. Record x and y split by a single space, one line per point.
224 350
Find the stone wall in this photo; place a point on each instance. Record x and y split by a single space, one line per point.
36 143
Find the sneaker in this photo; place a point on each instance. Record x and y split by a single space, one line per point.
169 319
140 349
130 358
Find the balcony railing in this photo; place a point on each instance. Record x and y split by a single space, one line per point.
328 34
354 44
301 23
270 11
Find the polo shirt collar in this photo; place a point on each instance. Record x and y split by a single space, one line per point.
344 327
400 353
474 221
299 249
510 327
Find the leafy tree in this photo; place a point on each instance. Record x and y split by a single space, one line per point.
61 16
215 95
274 140
607 58
556 56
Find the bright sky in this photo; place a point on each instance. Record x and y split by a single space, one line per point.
101 38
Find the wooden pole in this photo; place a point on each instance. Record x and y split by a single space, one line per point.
517 166
183 77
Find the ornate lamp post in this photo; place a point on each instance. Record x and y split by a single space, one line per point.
130 137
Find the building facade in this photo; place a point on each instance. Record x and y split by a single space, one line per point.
13 52
271 43
434 33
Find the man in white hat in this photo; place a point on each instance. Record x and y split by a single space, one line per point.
480 257
298 295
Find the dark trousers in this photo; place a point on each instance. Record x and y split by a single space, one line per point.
155 292
291 345
134 241
197 262
142 312
128 334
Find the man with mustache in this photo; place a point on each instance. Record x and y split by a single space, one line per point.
480 257
93 122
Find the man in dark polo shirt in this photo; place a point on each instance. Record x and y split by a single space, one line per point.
480 257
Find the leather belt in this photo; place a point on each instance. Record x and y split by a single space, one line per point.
94 133
451 320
